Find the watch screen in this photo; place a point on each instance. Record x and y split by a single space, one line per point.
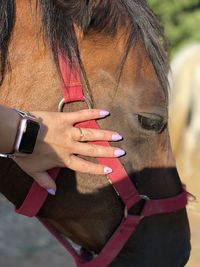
29 137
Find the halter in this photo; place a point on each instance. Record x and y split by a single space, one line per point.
125 189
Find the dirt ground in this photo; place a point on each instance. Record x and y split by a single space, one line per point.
25 243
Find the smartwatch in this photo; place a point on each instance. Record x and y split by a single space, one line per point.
26 135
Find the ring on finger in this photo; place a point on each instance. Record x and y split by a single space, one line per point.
81 133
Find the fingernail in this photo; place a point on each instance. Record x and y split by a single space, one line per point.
116 137
119 152
51 192
107 170
104 113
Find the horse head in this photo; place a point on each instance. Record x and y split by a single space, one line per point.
115 44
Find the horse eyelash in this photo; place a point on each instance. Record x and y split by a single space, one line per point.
154 124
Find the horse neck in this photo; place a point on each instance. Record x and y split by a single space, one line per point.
31 81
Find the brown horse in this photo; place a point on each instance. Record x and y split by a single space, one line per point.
117 45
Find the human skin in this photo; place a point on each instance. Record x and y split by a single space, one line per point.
58 143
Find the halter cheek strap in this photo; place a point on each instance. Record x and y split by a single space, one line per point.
72 91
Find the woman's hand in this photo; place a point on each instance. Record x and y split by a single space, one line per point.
59 143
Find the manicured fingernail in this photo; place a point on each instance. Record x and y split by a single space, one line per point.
107 170
116 137
104 113
51 192
119 152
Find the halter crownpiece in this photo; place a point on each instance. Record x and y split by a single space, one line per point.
72 92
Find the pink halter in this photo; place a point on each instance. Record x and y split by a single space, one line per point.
72 91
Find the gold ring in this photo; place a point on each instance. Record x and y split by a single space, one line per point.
81 132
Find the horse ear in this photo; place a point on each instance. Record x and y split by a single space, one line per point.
7 21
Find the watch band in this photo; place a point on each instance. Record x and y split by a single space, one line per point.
26 135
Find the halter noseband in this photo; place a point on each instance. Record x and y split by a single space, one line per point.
72 91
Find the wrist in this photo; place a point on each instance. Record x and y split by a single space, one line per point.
10 120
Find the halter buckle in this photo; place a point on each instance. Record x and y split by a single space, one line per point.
142 202
144 197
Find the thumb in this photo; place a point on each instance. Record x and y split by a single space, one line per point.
45 181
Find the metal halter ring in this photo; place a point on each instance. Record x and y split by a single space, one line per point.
62 103
145 197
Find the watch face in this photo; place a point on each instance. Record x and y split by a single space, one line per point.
29 137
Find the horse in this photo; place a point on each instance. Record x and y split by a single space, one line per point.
185 96
118 47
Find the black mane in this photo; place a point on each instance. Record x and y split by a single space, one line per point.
7 21
59 16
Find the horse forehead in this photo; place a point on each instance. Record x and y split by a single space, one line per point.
141 88
138 81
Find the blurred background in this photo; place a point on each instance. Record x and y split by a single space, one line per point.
181 20
182 27
25 243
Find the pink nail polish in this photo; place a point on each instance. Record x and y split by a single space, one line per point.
51 192
107 170
116 137
119 152
104 113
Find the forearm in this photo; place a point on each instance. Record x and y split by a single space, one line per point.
9 121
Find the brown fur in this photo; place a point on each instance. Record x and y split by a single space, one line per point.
86 208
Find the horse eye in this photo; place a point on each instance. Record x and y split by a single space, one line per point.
150 124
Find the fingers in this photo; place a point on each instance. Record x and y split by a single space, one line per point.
45 181
87 134
76 139
86 114
81 165
92 150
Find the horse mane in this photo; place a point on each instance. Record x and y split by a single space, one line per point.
91 15
7 21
